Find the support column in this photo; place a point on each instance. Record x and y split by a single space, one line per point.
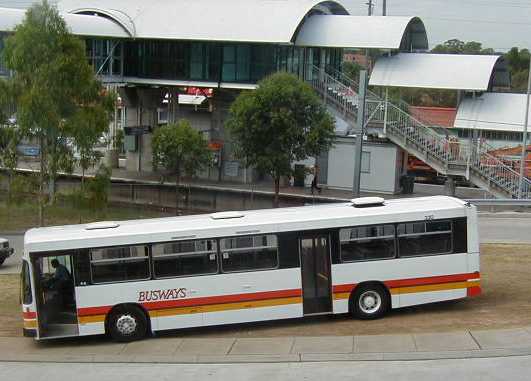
449 186
359 134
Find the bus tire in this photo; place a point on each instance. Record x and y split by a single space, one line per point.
370 301
127 323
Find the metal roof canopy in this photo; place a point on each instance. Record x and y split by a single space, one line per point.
83 25
261 21
440 71
492 111
378 32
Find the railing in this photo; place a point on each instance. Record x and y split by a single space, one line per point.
410 133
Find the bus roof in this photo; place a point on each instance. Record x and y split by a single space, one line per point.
229 224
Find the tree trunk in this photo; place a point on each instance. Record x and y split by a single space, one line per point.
277 190
41 182
177 182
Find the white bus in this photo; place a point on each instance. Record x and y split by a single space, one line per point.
132 278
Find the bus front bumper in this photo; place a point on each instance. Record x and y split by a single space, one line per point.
29 332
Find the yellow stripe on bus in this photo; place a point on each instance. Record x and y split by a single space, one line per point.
30 323
433 287
206 308
91 319
225 307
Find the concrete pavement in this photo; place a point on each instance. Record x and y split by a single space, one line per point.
511 368
426 346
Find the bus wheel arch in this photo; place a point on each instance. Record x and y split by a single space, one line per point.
127 322
370 300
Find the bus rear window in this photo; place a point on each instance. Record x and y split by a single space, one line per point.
25 288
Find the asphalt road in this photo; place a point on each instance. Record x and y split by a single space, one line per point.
515 229
12 264
508 368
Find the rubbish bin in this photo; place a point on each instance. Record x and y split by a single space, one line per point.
299 173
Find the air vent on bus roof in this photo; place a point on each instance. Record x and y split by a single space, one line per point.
102 225
226 215
365 202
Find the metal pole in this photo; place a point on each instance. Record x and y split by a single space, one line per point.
370 8
386 110
359 133
524 139
384 10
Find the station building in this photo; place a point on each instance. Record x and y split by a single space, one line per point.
190 59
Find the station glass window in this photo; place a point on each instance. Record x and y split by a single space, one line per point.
249 253
184 258
425 238
119 264
367 243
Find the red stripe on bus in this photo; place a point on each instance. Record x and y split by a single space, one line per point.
431 280
150 306
414 281
29 315
344 288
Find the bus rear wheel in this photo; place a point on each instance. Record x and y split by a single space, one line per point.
127 323
370 302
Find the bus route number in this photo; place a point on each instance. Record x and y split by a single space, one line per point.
430 217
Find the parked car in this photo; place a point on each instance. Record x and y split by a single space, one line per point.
5 250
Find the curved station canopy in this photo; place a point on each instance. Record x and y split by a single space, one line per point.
440 71
375 32
259 21
311 23
493 111
79 24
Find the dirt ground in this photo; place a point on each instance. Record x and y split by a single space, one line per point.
504 303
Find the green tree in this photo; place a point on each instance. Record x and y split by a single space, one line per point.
279 123
453 46
87 127
55 84
351 70
180 149
9 140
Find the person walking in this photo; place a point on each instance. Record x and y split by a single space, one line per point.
315 172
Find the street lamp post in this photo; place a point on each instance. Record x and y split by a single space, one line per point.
524 139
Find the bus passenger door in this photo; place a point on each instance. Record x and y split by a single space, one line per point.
316 274
55 296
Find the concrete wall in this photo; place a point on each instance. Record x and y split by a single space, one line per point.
381 167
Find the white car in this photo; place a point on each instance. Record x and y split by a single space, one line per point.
5 250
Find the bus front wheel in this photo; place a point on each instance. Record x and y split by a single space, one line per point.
370 301
127 323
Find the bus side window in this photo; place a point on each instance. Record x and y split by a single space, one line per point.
82 267
288 246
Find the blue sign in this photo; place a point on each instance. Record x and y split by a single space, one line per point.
28 150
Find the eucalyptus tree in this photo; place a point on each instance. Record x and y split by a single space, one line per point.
56 89
280 122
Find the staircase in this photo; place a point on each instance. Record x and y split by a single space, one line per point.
448 156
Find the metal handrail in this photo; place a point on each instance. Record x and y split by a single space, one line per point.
341 91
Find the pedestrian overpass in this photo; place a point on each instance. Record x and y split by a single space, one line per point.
470 159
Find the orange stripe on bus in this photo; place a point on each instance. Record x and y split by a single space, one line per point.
205 308
30 323
434 287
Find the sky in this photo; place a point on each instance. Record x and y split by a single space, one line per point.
498 24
